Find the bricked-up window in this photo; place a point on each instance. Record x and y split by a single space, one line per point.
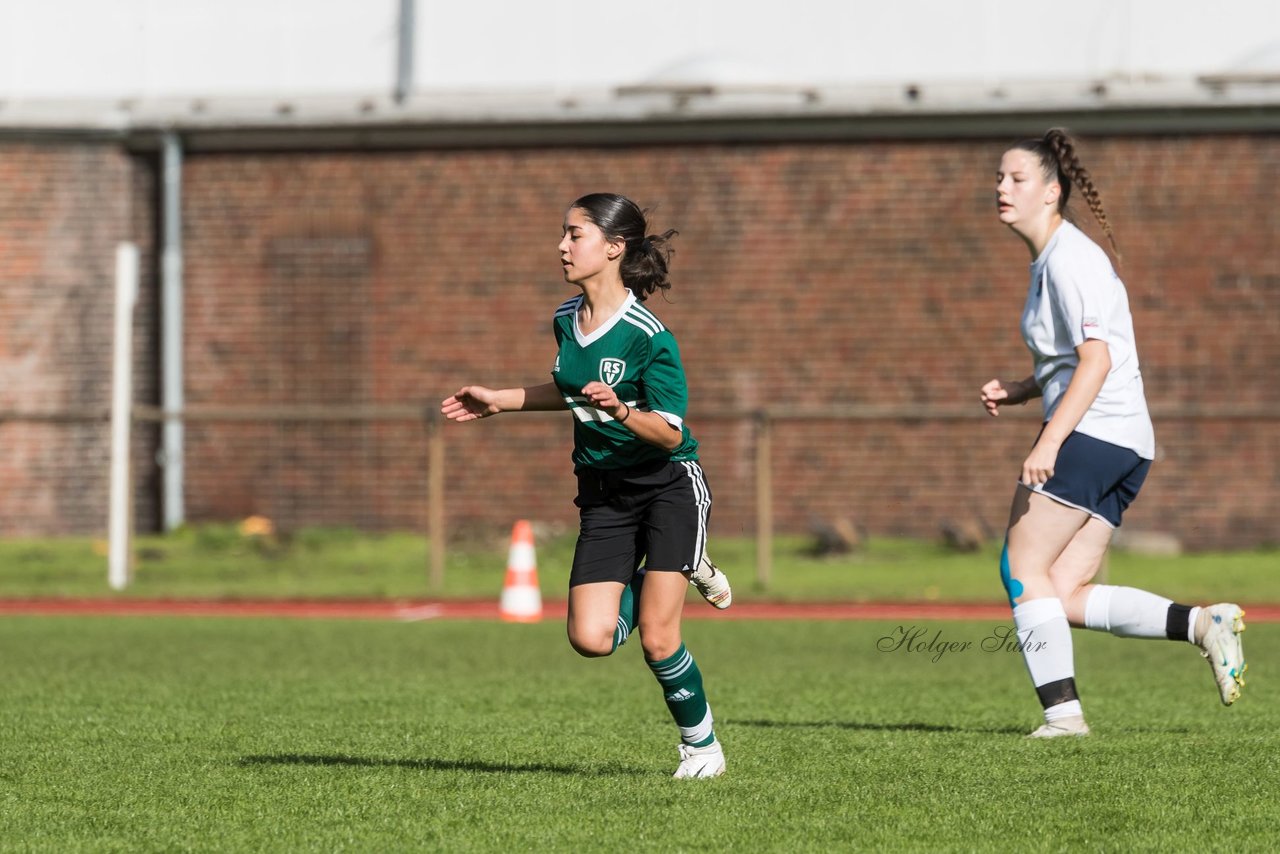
318 297
319 300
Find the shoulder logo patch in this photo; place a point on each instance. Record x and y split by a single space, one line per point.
611 370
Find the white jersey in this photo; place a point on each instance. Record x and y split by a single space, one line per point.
1076 295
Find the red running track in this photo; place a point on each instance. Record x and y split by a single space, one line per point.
458 609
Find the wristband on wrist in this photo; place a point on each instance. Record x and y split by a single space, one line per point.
628 415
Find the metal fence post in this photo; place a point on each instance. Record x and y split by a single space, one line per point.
435 501
764 499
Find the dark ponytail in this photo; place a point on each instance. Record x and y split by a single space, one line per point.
645 260
1056 151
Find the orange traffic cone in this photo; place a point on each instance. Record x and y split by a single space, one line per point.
521 598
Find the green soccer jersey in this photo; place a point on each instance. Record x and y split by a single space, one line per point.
637 356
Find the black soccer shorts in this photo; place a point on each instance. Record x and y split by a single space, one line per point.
653 515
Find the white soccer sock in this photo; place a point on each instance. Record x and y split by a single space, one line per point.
1045 637
1128 612
1192 624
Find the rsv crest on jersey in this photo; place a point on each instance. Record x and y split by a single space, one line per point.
611 370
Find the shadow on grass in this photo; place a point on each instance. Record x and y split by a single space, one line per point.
439 765
875 727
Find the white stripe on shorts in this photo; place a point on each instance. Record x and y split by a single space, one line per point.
1040 490
702 495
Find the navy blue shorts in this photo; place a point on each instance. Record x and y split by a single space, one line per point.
1097 477
655 514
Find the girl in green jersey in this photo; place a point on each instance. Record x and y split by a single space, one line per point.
642 497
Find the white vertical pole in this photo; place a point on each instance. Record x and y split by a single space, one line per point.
119 521
171 333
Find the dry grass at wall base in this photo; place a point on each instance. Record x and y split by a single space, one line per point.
221 561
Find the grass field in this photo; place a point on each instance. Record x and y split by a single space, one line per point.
258 735
215 561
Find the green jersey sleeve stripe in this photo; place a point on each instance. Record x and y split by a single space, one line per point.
641 324
569 306
641 311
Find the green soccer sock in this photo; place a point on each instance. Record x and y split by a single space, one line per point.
681 683
628 611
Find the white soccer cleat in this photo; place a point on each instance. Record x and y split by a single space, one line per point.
697 762
711 583
1065 726
1221 645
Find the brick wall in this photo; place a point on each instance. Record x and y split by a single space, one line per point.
63 209
805 275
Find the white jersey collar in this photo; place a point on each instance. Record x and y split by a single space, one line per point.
602 329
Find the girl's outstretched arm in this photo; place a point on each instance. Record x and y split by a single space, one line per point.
475 401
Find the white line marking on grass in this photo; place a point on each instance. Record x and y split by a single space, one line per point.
418 613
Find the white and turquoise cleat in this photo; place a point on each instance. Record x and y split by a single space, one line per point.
1221 645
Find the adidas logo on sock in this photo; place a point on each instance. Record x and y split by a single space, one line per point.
678 696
